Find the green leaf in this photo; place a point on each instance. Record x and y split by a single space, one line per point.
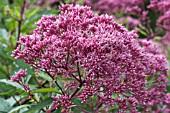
3 70
18 108
32 12
8 82
46 90
4 34
13 100
10 23
77 102
153 17
168 88
40 105
44 76
157 37
23 65
4 105
114 108
142 32
28 78
11 92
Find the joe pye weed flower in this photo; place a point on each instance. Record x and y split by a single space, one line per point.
102 60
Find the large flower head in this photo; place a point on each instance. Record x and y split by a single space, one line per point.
101 57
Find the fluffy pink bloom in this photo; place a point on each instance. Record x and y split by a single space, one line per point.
163 7
109 6
166 39
120 8
26 87
159 5
102 57
130 22
18 75
113 6
62 101
165 20
19 78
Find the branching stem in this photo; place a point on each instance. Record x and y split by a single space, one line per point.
56 82
20 20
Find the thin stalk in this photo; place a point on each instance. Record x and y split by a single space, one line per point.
83 109
56 82
20 20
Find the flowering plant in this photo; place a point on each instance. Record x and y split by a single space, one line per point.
97 61
149 17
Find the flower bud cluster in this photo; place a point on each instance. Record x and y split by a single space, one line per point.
103 57
62 101
19 77
166 39
162 7
114 6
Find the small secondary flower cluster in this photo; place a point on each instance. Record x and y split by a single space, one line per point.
141 14
19 78
100 57
120 8
112 6
162 7
106 6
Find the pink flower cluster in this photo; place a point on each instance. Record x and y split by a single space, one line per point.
120 9
19 75
166 39
106 6
19 78
62 101
112 6
139 12
163 7
159 5
102 58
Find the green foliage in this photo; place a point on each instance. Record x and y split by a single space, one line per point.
40 105
4 106
13 95
45 90
16 109
14 84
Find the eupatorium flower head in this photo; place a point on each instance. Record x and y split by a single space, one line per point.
163 7
19 75
113 6
166 39
103 58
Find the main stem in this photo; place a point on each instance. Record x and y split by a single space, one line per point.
20 21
